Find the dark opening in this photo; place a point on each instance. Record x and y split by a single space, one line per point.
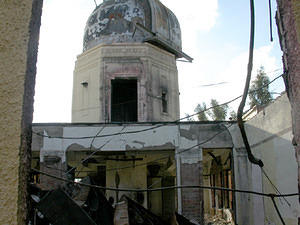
164 102
100 179
124 100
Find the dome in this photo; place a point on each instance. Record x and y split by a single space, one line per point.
128 21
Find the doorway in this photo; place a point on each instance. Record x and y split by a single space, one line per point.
124 100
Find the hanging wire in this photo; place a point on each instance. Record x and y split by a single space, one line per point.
95 3
176 153
270 18
167 188
91 145
274 186
240 112
94 152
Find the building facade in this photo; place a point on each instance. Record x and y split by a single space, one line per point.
127 71
17 67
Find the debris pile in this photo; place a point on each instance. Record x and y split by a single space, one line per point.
223 218
73 204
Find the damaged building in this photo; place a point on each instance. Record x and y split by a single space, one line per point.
126 136
191 157
125 93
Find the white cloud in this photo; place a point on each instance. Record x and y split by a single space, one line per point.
196 14
193 16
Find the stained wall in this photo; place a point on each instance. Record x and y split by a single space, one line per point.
183 141
154 69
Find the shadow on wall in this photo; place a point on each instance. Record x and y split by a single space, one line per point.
276 151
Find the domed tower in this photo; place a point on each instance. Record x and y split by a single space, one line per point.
127 71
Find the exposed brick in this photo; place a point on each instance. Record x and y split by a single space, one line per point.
192 199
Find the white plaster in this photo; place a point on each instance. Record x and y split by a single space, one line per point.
192 158
178 178
162 137
51 144
60 154
258 201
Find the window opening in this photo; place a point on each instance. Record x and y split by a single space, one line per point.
164 102
124 100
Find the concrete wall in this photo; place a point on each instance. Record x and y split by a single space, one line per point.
270 136
19 28
154 69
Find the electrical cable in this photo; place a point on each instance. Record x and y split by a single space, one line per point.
274 186
166 157
277 210
94 152
95 3
166 188
270 18
240 121
158 159
222 83
91 145
176 187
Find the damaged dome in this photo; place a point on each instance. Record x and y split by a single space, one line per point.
129 21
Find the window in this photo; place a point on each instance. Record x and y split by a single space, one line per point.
164 102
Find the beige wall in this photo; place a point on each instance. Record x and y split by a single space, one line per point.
18 48
154 69
132 177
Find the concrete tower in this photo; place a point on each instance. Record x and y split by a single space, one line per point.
127 71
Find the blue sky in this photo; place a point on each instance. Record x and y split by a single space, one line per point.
215 33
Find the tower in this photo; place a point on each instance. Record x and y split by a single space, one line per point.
127 71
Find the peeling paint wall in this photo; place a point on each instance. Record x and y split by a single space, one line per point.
154 69
19 27
152 143
153 138
114 22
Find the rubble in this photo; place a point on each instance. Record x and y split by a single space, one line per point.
74 204
224 217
